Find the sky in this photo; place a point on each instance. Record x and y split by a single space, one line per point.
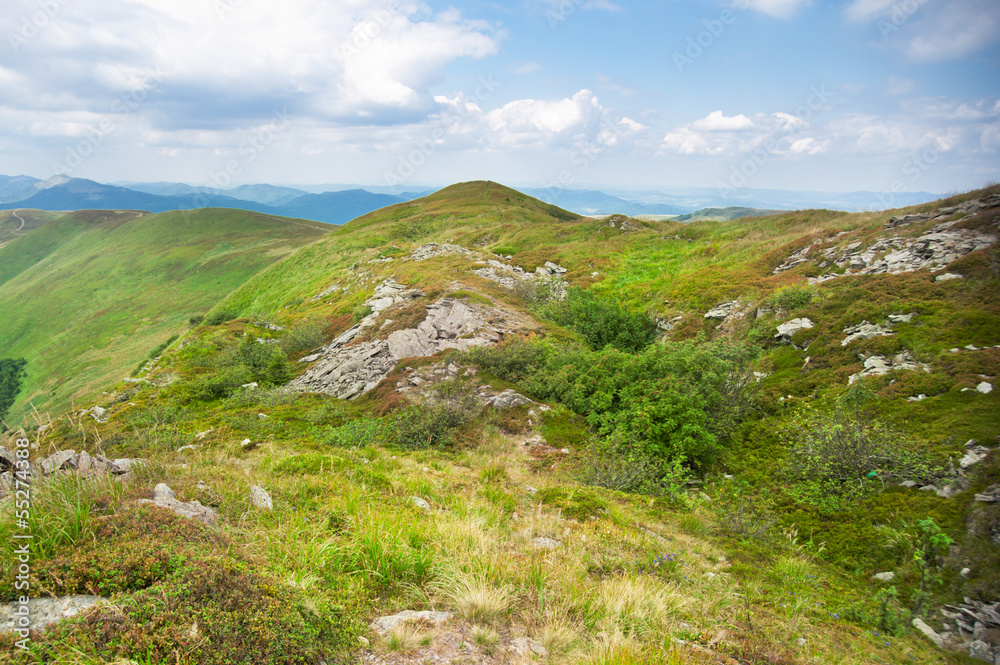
880 95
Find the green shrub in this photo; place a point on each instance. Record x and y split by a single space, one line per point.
367 431
602 321
303 336
218 318
12 372
432 425
196 319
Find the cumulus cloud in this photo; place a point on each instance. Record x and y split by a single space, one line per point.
717 133
717 122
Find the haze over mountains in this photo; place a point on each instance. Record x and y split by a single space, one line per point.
338 204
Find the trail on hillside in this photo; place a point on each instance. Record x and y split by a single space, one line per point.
20 218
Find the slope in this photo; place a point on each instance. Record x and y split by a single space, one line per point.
86 296
692 500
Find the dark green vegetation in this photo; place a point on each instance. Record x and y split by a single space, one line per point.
11 375
87 295
723 214
697 500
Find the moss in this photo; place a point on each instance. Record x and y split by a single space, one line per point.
575 503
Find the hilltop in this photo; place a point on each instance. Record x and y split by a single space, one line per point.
88 295
558 439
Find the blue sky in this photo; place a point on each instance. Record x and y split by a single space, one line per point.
787 94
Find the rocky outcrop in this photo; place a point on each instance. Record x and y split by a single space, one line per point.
973 628
433 249
350 371
865 330
722 311
385 625
879 365
164 497
789 328
62 461
40 613
514 277
933 250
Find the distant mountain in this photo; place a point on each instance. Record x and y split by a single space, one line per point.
723 214
593 202
696 198
61 193
338 207
267 194
14 187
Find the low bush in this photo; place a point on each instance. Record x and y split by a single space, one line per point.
432 425
218 318
601 321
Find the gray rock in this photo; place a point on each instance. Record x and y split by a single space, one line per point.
879 365
900 318
981 651
385 625
260 498
946 277
544 543
525 646
164 497
57 461
985 388
973 456
948 491
8 458
507 400
789 328
722 311
420 503
201 435
884 577
928 632
864 330
44 612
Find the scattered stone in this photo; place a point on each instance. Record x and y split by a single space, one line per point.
44 612
544 543
164 497
917 398
722 311
420 503
789 328
801 642
900 318
948 491
247 444
879 365
58 461
525 646
884 577
260 498
201 435
985 388
385 625
990 495
928 632
98 413
252 385
530 489
864 330
507 399
974 454
947 277
189 446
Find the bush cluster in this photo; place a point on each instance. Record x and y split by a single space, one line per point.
601 321
670 403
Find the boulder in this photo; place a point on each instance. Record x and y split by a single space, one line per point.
507 399
722 311
44 612
789 328
385 625
260 498
525 646
864 330
164 497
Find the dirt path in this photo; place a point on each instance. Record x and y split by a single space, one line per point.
20 218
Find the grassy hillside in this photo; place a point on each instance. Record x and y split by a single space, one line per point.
88 295
723 214
17 223
718 495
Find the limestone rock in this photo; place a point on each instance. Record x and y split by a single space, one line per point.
884 577
98 413
789 328
525 646
164 497
947 277
385 625
722 310
544 543
985 388
44 612
974 454
507 399
420 503
260 498
864 330
928 632
879 365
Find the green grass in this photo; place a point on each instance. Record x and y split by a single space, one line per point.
87 296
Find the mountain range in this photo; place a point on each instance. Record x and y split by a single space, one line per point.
338 204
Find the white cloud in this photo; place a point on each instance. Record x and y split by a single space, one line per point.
775 8
717 122
931 31
522 67
808 146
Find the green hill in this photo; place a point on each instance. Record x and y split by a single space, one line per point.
590 440
723 214
87 295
